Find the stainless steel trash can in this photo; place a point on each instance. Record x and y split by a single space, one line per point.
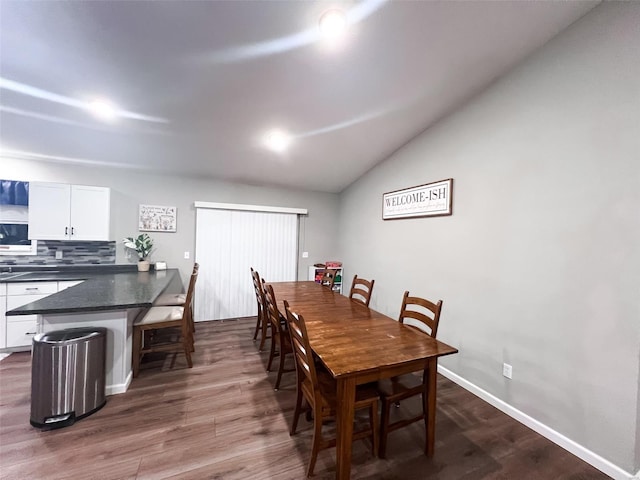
67 376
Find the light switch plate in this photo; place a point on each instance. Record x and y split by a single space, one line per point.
186 255
305 254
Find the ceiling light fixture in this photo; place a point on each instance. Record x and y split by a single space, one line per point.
277 140
103 109
333 24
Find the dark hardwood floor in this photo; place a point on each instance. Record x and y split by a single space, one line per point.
223 420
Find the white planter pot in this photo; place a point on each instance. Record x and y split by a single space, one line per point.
143 266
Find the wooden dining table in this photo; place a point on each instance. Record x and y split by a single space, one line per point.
359 345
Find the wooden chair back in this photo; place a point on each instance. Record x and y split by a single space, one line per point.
255 276
262 324
279 334
196 269
257 287
187 313
328 278
271 308
361 290
305 366
425 313
424 316
166 318
320 392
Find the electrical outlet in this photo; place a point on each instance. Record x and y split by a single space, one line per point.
305 254
58 254
186 255
507 370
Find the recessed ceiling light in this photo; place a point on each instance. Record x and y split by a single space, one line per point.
277 140
103 109
333 24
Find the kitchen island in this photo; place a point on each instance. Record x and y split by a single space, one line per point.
104 299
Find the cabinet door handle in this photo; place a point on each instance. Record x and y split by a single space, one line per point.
32 288
72 232
66 230
30 333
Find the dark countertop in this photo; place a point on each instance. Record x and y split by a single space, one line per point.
53 276
53 273
102 290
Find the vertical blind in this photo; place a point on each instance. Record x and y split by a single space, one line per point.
228 244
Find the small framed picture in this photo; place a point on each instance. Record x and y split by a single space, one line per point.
157 218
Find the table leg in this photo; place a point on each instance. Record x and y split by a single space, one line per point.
346 400
431 412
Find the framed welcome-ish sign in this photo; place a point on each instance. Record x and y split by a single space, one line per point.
429 200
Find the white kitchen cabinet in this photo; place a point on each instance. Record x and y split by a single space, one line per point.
18 330
20 333
59 211
30 288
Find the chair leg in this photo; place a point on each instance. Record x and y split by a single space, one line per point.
192 326
308 414
258 327
187 352
315 444
384 428
280 369
272 352
297 411
135 354
188 340
265 334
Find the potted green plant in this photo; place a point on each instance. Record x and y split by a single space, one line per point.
143 245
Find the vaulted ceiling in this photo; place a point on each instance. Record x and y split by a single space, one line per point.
199 83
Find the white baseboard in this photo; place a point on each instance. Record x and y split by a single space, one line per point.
119 387
576 449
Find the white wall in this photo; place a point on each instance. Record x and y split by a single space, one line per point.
539 265
129 189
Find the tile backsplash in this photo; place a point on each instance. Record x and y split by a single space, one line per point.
73 253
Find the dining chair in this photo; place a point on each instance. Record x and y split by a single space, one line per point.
165 318
424 316
262 322
172 299
318 388
280 339
328 278
177 299
361 290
